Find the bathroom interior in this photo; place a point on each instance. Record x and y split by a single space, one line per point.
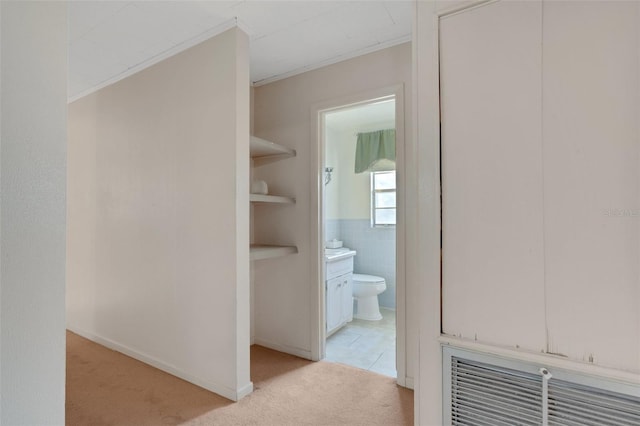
359 214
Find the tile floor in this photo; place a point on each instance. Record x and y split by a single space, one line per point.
370 345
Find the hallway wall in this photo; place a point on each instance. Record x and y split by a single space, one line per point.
158 234
33 138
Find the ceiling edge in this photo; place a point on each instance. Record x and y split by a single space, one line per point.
227 25
334 60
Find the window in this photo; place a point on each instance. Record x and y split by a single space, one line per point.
383 198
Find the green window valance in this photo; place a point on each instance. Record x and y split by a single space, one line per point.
376 151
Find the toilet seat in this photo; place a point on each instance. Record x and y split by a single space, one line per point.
367 279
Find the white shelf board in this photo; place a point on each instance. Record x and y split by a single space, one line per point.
260 198
262 251
260 148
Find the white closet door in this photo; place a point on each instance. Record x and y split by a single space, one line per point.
493 288
592 209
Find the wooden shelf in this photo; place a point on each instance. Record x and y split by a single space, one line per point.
263 151
261 251
260 198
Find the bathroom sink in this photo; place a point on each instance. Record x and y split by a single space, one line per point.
331 255
333 251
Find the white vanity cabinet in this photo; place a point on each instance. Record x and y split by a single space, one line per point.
339 295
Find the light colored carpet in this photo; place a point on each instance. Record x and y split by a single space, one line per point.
107 388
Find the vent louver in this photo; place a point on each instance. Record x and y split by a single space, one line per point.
483 394
572 404
486 390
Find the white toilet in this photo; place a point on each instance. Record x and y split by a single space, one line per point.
366 289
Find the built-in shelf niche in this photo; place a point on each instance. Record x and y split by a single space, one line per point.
264 251
263 152
277 199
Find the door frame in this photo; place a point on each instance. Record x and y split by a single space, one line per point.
318 110
426 130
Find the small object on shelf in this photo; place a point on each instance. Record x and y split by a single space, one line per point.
259 187
333 244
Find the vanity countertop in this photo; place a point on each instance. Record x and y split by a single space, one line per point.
331 255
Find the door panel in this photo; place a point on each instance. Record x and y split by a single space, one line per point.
591 180
493 260
334 303
347 298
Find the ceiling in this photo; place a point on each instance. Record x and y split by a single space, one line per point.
363 118
109 40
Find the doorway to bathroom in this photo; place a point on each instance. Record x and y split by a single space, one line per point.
359 217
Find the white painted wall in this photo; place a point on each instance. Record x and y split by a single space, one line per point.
284 286
351 191
426 128
158 237
351 197
333 158
33 77
535 256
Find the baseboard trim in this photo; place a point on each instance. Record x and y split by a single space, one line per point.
408 382
244 391
284 348
405 382
229 393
